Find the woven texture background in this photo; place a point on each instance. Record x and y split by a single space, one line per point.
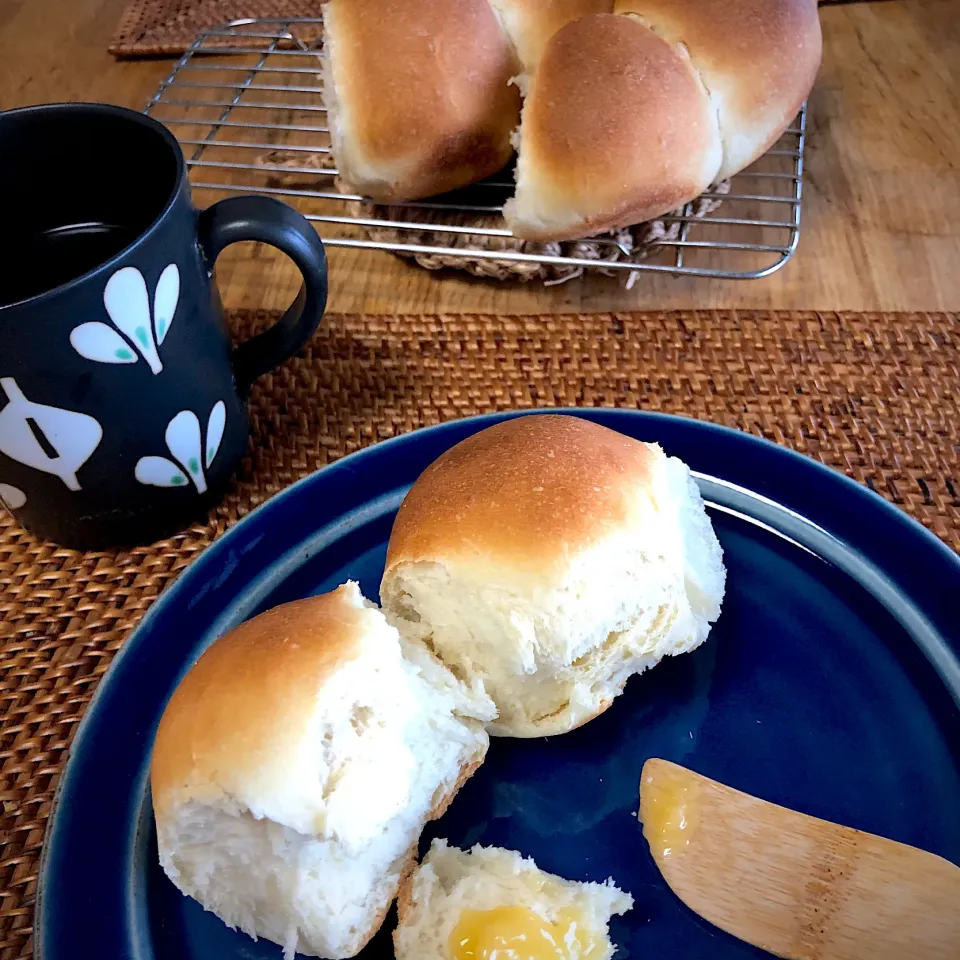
876 396
151 28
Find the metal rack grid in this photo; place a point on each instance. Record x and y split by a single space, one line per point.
246 103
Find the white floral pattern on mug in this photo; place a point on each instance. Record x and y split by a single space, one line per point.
46 438
128 305
191 456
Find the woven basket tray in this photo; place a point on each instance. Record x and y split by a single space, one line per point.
873 395
632 244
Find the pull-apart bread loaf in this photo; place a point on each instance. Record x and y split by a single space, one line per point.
296 765
633 107
549 559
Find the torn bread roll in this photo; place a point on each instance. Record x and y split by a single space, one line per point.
493 902
548 559
617 129
296 765
757 59
418 95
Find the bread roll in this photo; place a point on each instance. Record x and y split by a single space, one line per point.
418 94
530 26
757 58
295 766
617 128
549 559
493 897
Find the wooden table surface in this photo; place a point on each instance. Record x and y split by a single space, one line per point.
881 215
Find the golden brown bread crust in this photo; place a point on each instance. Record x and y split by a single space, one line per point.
617 128
419 93
602 708
231 715
466 772
531 25
758 58
523 495
405 902
407 866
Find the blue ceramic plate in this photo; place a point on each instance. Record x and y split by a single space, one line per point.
830 684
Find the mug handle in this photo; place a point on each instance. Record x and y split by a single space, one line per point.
272 222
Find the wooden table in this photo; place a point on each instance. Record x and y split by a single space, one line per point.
881 221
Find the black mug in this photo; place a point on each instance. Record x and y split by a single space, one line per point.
122 399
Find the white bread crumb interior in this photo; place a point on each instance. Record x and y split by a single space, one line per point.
450 881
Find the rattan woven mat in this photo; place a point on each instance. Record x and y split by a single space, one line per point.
152 28
875 395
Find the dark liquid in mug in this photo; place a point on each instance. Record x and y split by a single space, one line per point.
44 261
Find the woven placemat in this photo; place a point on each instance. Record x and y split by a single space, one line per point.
153 28
875 395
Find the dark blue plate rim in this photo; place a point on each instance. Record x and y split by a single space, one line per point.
920 566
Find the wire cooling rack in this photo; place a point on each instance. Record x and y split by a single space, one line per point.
246 103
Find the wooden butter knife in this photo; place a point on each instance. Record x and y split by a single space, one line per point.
793 885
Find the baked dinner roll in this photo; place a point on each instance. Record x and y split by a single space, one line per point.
757 58
548 559
492 902
418 94
296 764
617 128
